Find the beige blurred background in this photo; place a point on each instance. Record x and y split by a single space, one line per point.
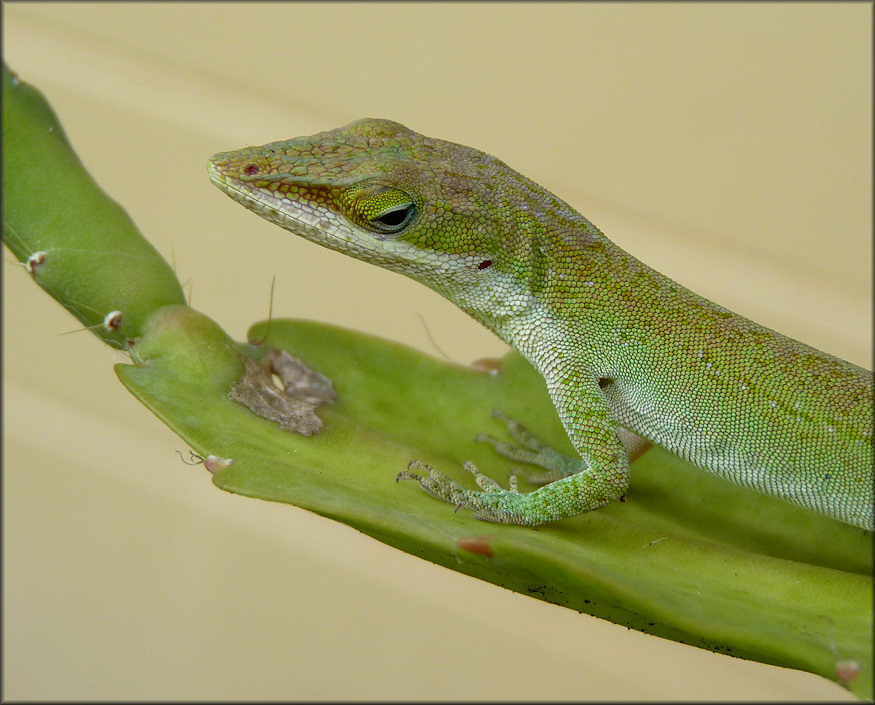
729 146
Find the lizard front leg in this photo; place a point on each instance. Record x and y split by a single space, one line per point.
528 449
599 476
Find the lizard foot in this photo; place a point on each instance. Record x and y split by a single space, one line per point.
529 449
493 503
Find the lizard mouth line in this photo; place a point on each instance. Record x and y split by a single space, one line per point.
217 177
239 194
314 232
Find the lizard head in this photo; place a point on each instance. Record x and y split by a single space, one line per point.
452 217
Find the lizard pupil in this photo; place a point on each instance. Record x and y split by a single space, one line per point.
396 218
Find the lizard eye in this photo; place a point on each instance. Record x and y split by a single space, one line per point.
394 219
381 208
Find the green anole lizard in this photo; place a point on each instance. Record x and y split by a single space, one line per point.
619 345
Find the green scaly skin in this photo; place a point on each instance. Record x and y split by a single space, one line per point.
618 343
